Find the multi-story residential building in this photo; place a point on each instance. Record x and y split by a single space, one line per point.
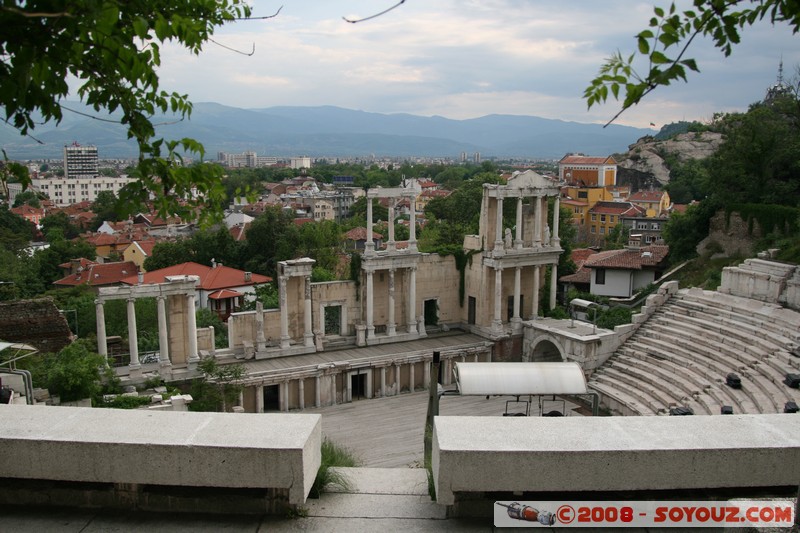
603 216
80 162
64 191
248 159
300 162
649 228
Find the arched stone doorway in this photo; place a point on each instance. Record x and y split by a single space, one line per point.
545 351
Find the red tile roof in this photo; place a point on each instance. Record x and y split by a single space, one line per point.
97 274
585 160
224 294
211 279
430 193
647 256
360 234
570 201
646 196
617 208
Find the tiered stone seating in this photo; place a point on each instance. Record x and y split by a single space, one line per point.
683 352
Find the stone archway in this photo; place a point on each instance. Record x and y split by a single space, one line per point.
546 350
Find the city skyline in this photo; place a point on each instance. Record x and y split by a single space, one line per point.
465 60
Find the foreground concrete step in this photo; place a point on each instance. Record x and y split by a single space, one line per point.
375 506
405 481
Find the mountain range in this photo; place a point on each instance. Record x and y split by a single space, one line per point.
329 131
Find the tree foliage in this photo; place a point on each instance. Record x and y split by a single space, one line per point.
219 388
272 237
113 49
74 373
663 46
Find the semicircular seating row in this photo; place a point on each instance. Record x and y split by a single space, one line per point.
681 356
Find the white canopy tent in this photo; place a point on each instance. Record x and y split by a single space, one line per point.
522 379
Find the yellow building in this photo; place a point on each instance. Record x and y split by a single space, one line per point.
583 171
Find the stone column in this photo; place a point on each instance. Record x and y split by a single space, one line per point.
317 393
553 285
163 336
498 230
411 377
390 327
192 329
390 245
517 290
412 300
535 309
333 389
308 334
412 225
369 244
397 377
537 221
348 388
555 240
518 236
282 303
261 340
383 382
426 374
102 341
301 386
497 323
370 311
260 399
133 342
284 399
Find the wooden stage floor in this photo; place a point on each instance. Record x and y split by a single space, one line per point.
388 432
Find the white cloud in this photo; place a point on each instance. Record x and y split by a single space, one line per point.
464 59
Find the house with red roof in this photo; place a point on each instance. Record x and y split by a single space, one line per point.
582 278
96 275
138 251
655 203
603 216
31 214
356 239
221 289
621 273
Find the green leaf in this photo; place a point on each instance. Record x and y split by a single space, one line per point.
657 58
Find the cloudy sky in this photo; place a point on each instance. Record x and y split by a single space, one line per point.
464 59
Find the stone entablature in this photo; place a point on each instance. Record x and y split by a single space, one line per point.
176 305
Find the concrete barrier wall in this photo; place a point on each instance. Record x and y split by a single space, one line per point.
585 454
171 449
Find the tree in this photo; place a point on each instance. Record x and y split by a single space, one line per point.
113 49
60 222
74 374
272 237
27 198
665 43
219 388
105 208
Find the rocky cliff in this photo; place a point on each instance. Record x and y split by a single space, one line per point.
644 165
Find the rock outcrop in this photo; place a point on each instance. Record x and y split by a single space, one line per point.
647 157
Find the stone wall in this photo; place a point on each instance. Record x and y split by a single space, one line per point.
35 322
729 237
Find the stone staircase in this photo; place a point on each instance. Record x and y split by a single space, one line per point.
682 354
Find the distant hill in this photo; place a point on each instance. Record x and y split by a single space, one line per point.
332 131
